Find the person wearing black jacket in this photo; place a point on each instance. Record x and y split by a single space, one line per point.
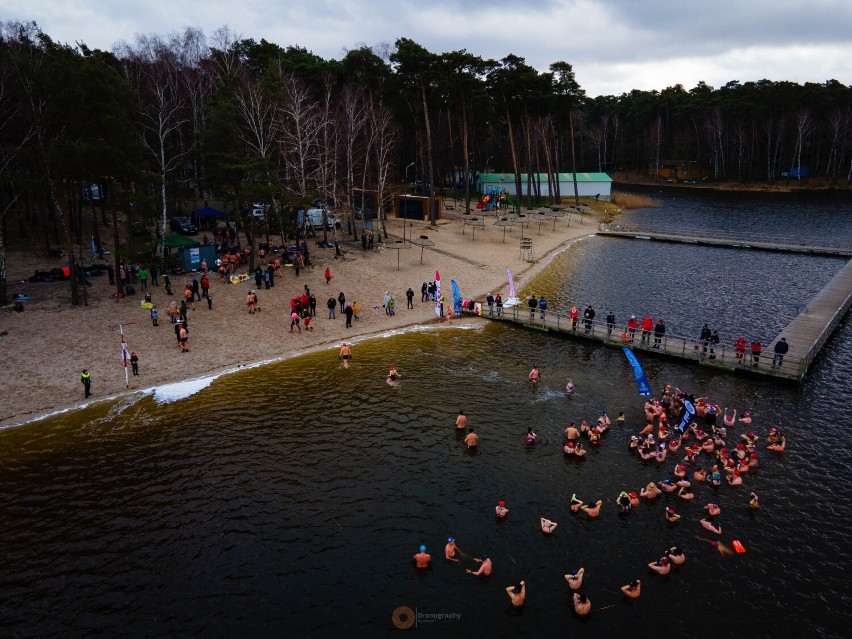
659 332
588 317
703 339
610 323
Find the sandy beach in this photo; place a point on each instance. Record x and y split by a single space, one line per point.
46 347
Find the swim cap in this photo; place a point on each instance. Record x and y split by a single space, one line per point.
517 589
483 556
632 495
449 539
501 503
422 548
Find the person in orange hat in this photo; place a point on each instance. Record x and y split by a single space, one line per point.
134 363
393 375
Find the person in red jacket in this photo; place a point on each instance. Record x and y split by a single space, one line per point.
575 315
632 325
756 347
739 349
647 327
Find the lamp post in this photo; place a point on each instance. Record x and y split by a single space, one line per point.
487 161
406 171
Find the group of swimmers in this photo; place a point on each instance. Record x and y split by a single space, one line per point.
655 443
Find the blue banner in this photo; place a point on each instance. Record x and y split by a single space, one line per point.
686 416
456 298
644 388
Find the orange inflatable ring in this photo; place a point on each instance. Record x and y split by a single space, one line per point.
738 547
625 337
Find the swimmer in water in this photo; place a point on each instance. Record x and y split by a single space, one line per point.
569 387
709 524
517 594
632 589
451 549
484 569
650 491
582 606
620 419
547 526
671 515
713 508
676 556
753 503
345 354
422 559
393 375
718 545
575 580
780 444
662 566
729 419
471 439
530 438
534 375
576 503
461 420
592 510
746 418
501 509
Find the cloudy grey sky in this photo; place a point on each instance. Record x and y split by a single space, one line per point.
614 45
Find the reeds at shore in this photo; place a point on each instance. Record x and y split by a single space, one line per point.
633 201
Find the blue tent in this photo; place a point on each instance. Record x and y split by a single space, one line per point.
206 212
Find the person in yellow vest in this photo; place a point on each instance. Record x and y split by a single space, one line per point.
86 378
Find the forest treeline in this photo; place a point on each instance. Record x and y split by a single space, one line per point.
168 122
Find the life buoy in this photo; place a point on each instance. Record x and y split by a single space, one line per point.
625 337
738 547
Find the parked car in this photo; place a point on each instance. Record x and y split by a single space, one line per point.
183 226
313 218
259 211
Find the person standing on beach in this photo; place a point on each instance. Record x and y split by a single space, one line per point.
184 339
205 286
342 299
424 292
349 313
183 309
196 291
143 278
134 363
154 315
155 275
409 297
364 240
167 283
331 304
328 275
370 241
86 378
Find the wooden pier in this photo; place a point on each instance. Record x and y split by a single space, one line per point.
832 251
806 334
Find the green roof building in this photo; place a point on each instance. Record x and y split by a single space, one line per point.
588 184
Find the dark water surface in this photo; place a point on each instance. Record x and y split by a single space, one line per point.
287 500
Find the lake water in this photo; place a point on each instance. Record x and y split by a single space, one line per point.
287 500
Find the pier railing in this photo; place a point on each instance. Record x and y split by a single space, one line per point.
722 356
